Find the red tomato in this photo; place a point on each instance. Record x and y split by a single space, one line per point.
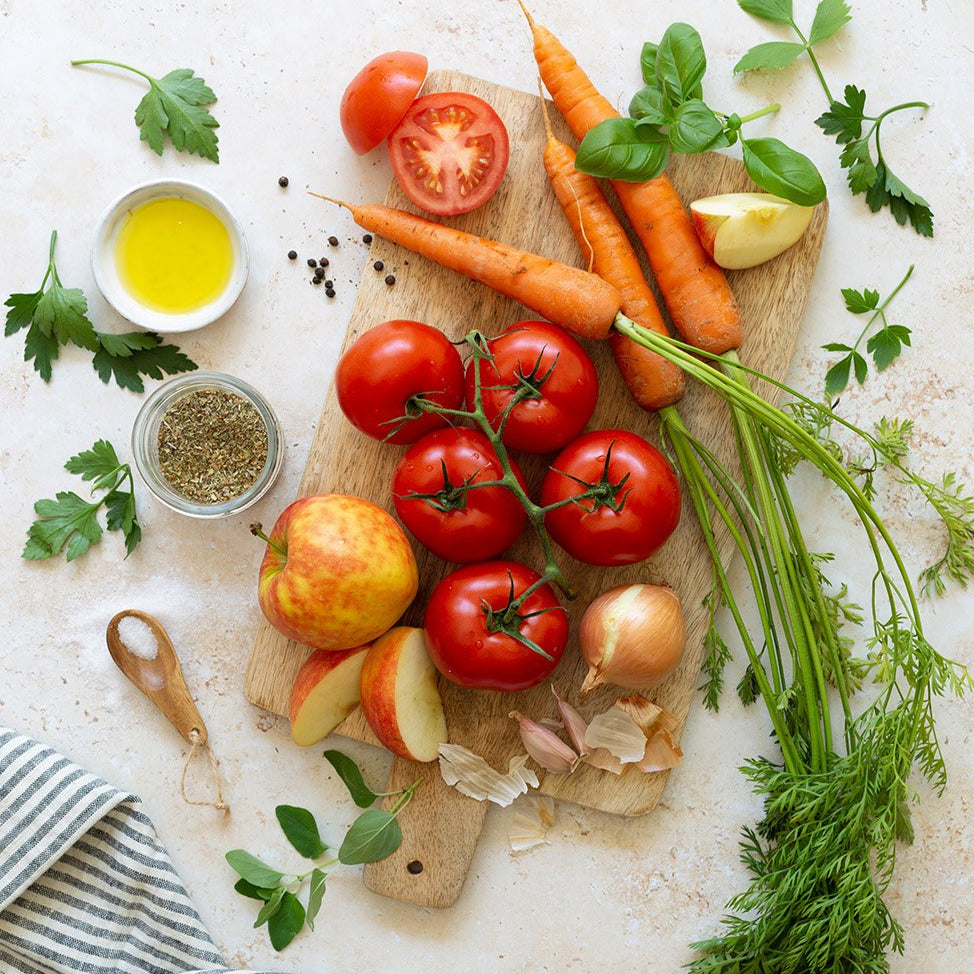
378 97
558 376
478 651
386 368
449 152
455 524
639 508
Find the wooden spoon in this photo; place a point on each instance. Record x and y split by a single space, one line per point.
159 678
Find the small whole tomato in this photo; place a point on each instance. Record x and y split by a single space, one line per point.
478 641
635 506
449 152
378 97
546 366
383 372
432 491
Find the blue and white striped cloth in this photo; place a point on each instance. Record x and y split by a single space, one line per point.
85 883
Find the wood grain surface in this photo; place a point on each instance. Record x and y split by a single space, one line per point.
441 827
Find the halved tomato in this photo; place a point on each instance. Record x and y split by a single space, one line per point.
378 97
449 152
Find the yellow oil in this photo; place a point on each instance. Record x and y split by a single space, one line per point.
173 255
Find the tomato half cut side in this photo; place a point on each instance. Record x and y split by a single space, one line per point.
378 97
449 152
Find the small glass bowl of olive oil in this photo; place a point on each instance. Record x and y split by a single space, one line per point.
169 256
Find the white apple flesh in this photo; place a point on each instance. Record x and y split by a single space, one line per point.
741 230
326 691
400 698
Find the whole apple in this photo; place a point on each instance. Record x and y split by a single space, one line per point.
338 572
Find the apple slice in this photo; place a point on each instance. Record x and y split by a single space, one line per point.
400 698
744 229
326 691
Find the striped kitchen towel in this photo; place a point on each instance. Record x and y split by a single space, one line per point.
85 883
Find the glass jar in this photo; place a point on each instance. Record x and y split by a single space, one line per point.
145 443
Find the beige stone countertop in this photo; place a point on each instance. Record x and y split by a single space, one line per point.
605 893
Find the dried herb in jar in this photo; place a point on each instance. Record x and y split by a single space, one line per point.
212 445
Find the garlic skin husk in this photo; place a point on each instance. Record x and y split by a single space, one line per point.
545 746
632 636
533 816
471 775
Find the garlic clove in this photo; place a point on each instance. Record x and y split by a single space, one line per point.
471 775
545 746
574 722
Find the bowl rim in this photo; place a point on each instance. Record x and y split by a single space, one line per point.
115 294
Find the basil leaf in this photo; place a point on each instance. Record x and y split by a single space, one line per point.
680 63
647 62
830 17
270 907
315 896
619 149
348 771
649 105
253 870
287 922
772 56
301 829
776 11
778 169
374 835
696 128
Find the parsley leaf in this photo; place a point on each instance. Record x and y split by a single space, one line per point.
55 315
830 17
175 105
776 11
71 522
772 56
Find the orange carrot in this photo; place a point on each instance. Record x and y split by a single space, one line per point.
578 301
653 381
696 292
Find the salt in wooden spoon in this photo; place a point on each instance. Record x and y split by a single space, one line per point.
159 678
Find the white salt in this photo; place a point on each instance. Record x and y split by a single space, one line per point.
137 637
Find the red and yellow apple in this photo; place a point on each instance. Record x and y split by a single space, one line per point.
745 229
326 691
399 695
338 571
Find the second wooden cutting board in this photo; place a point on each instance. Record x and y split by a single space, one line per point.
441 827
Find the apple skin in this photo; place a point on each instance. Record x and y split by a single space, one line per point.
326 691
338 572
399 695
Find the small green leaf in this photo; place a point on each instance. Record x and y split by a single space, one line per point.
647 62
903 203
173 106
42 349
856 159
617 149
860 302
861 367
127 369
837 377
374 835
680 63
830 17
837 347
63 313
772 56
124 345
301 829
252 892
21 313
97 462
844 120
783 171
648 105
348 771
68 520
696 128
775 11
887 344
252 869
316 894
271 907
287 922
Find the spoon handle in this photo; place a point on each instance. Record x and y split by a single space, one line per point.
160 679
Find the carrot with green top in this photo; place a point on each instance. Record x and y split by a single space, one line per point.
575 299
653 381
696 292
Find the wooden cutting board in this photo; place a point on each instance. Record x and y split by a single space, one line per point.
440 826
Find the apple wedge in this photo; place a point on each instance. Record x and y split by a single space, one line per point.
745 229
399 695
326 691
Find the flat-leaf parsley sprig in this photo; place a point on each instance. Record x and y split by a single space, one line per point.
175 105
55 316
374 835
846 120
72 522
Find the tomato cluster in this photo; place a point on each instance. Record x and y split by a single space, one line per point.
609 497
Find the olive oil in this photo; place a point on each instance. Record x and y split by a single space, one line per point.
173 255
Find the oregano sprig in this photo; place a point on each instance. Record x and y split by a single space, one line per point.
374 835
856 131
669 115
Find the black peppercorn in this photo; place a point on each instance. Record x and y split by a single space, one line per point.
312 262
390 279
319 272
329 292
329 283
282 181
323 261
316 279
378 265
292 255
366 238
333 241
